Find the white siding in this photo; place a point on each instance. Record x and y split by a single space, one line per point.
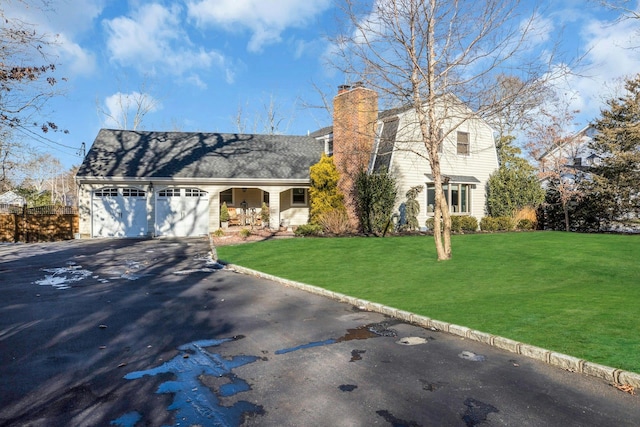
409 162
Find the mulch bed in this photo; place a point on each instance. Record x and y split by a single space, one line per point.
233 237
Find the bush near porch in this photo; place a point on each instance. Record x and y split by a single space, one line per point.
573 293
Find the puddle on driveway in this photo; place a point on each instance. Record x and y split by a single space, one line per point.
469 355
62 277
194 402
371 330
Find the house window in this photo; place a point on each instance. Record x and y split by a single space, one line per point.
169 192
299 196
577 161
132 192
265 197
226 196
107 192
194 192
456 195
463 143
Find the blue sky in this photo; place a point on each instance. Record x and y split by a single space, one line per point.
203 60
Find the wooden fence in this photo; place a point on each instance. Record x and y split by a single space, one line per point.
39 224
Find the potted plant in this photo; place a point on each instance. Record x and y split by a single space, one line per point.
224 215
264 215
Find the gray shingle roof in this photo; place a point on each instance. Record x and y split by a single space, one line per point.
141 154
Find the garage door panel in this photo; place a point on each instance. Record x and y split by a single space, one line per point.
182 213
116 215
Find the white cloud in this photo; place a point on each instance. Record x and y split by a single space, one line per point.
262 18
78 60
612 52
53 21
152 40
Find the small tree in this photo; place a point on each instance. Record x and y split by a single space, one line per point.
514 185
264 214
375 198
224 212
324 193
412 208
615 181
551 144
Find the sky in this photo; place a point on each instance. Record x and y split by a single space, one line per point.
201 62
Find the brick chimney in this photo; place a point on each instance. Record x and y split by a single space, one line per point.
355 112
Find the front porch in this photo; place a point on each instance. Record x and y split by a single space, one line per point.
288 206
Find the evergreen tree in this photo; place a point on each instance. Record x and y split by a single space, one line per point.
615 182
376 196
324 193
514 185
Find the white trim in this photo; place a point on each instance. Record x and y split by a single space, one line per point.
232 182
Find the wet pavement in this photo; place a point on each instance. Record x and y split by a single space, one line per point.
152 333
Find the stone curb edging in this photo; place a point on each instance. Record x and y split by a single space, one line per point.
563 361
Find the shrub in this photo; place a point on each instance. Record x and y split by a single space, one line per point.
244 233
505 223
526 213
224 212
219 232
308 230
264 214
429 223
525 224
456 224
324 194
500 223
375 198
335 222
488 223
468 223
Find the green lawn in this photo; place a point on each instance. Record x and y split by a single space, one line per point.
577 294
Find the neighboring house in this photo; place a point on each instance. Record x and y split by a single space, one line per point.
135 183
11 198
572 154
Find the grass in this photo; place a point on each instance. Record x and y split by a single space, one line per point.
577 294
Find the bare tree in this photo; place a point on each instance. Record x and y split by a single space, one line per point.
627 8
40 172
324 106
27 74
128 110
440 57
521 107
554 146
270 120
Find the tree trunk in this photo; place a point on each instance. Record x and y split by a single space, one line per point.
565 209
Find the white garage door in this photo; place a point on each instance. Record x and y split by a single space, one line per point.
182 212
119 212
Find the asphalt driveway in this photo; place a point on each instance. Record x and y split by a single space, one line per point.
151 333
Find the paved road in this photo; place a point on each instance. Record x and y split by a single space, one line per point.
146 332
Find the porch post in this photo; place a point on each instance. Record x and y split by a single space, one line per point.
274 209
